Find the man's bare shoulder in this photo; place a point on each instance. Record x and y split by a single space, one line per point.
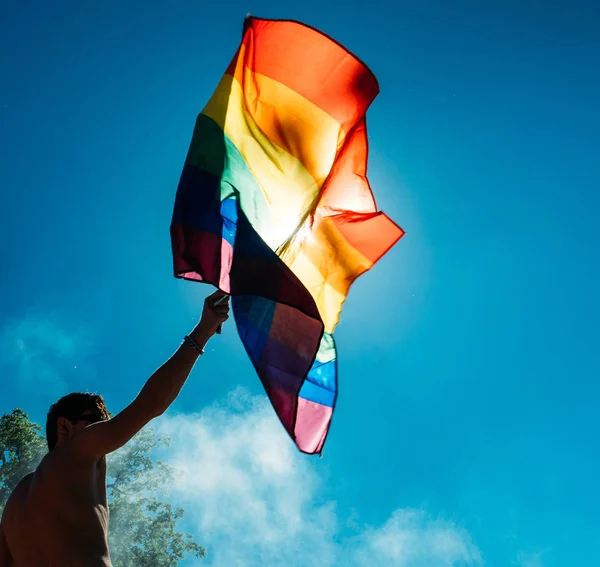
15 502
63 458
19 491
25 481
34 479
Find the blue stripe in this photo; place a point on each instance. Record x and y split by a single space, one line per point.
316 392
229 213
323 375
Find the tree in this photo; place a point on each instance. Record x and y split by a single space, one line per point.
142 526
21 450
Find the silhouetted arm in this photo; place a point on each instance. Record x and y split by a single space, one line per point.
159 392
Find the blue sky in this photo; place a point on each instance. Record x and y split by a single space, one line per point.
467 421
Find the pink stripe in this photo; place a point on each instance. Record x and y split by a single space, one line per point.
312 423
191 276
226 259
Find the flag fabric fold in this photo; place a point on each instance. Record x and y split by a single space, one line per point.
274 207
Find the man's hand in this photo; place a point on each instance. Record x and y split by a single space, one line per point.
214 314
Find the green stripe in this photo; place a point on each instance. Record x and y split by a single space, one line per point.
327 351
212 150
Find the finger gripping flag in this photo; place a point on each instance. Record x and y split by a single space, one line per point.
274 208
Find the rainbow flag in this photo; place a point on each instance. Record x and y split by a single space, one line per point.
274 208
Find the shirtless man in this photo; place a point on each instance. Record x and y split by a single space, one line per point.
57 516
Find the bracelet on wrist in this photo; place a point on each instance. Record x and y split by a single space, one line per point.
191 342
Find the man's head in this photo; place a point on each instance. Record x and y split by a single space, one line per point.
71 414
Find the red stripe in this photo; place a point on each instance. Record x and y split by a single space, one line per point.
312 64
347 192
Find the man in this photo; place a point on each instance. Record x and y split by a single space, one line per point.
57 516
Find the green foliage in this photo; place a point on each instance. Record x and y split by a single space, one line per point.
142 526
21 450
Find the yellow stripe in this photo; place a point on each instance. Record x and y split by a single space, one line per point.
328 299
327 265
288 187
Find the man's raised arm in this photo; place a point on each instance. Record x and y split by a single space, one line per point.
161 389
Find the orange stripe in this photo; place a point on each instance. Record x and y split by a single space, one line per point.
289 120
370 235
328 257
345 236
312 64
347 188
326 264
348 194
338 262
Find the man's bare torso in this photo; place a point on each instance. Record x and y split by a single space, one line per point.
57 516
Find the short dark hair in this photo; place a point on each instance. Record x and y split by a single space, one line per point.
71 407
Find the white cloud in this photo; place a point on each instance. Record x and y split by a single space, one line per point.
409 538
37 348
252 499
